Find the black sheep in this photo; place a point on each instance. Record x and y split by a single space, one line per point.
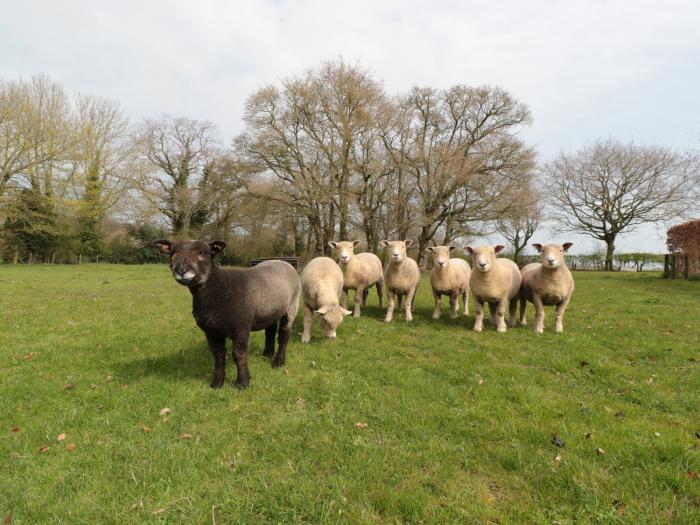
232 302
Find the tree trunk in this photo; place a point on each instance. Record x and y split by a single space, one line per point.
422 248
610 243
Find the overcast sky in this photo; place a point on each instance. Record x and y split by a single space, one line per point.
587 69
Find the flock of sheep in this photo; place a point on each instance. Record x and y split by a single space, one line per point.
232 302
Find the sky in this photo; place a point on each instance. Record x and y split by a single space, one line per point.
587 69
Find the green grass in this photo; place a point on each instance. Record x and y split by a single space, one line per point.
458 424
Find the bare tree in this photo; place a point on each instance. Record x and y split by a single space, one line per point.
462 155
519 224
177 178
608 188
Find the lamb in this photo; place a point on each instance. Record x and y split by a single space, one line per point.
496 282
547 283
232 302
361 271
450 276
321 284
401 277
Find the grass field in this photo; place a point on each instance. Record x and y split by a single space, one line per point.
458 425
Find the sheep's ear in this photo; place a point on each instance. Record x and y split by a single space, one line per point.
451 248
164 245
567 245
537 246
346 312
355 244
498 248
430 249
333 244
469 249
216 247
384 243
408 242
322 311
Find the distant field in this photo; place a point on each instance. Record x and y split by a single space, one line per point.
458 425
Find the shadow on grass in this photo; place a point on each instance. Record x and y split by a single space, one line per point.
193 363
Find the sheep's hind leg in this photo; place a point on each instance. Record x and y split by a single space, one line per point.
365 293
240 355
356 301
512 306
465 300
492 314
270 340
539 313
454 305
380 285
282 340
217 346
523 306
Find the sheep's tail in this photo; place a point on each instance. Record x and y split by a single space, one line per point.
293 307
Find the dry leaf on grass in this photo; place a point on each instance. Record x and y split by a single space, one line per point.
557 459
361 424
159 511
600 452
186 436
8 519
164 411
69 386
15 429
61 437
43 449
70 447
145 428
29 356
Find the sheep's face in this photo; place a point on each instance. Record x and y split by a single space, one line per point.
345 249
441 256
397 249
484 257
190 261
331 317
552 255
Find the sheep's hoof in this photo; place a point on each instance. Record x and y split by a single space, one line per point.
270 353
356 315
241 386
478 328
277 362
454 316
304 339
436 316
217 383
539 331
387 321
501 329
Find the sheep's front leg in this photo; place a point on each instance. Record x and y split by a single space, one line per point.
465 300
344 298
380 286
240 355
453 305
492 314
390 305
217 346
438 305
365 293
559 312
479 321
512 306
523 306
359 292
501 314
409 304
308 322
539 313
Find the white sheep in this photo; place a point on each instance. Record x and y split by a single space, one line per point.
401 277
496 282
450 276
321 284
548 282
361 271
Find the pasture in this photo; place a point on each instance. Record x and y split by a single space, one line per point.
424 422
